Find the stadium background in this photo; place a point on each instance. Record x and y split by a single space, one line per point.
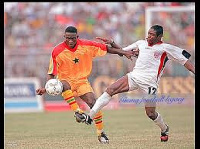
31 30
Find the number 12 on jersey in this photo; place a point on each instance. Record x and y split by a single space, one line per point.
152 90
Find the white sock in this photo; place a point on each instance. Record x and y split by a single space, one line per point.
159 121
102 101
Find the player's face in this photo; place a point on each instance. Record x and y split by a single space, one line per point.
152 37
71 39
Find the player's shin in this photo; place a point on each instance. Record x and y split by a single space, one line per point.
98 122
102 101
69 97
159 121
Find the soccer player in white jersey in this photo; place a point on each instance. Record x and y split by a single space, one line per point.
152 55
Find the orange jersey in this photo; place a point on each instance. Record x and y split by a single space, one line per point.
74 64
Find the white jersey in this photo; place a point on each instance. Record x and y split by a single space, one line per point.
152 59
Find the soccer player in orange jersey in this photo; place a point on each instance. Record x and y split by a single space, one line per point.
71 63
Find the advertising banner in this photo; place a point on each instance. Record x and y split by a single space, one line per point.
20 95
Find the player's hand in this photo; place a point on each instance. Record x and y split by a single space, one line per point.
120 55
136 52
129 54
105 40
40 91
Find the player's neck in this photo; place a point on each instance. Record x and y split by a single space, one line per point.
69 48
159 42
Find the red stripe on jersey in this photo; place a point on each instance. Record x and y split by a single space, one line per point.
85 42
164 55
57 50
92 43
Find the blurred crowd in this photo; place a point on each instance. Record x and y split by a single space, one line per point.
32 29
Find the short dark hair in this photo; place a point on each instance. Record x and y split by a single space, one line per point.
158 29
71 29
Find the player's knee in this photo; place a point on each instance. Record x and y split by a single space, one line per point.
151 114
110 91
89 99
66 85
91 104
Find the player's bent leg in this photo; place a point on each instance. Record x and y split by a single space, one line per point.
120 86
90 100
98 119
157 118
70 99
68 96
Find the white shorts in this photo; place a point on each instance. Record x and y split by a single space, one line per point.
135 83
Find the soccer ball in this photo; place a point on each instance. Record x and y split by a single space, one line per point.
54 87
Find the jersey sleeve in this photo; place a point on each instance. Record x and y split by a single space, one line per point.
132 46
99 49
52 65
178 54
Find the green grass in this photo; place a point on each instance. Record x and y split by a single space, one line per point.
126 128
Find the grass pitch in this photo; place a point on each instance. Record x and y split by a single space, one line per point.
126 129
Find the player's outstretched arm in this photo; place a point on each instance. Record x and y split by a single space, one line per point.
109 41
114 48
190 66
42 90
128 54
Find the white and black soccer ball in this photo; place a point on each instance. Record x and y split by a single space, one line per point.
53 87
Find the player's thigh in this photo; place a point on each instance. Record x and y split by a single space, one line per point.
85 92
133 85
121 85
66 85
